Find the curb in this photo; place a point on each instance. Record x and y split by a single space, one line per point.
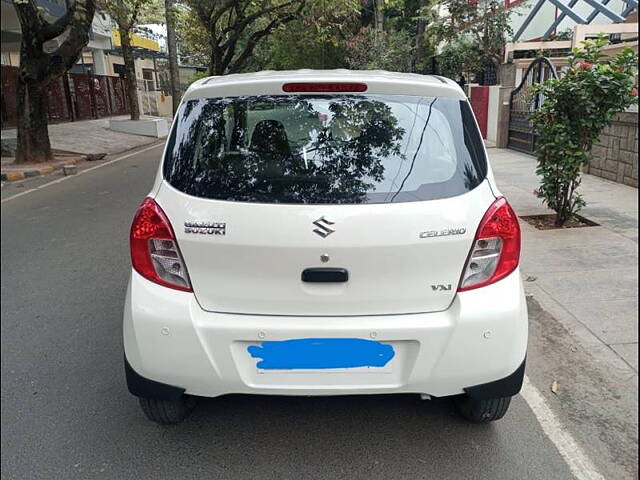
13 176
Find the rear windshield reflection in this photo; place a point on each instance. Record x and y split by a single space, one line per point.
325 149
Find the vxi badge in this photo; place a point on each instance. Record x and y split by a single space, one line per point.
443 233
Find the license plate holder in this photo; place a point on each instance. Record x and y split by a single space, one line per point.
322 356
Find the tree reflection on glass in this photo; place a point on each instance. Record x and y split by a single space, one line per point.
330 156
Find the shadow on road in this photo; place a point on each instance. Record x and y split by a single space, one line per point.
387 436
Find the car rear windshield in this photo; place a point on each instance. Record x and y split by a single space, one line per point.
325 149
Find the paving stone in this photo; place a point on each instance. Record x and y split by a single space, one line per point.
89 136
591 272
609 320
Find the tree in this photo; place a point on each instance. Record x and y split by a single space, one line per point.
575 110
425 42
39 66
372 14
475 26
492 28
192 37
378 15
172 50
406 43
126 14
459 57
389 50
322 28
235 27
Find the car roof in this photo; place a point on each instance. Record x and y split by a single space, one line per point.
270 83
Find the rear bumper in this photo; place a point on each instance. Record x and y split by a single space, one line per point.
477 346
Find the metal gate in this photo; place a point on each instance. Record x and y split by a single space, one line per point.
70 97
521 133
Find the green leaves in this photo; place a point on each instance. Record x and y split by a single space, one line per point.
461 56
575 110
473 33
369 49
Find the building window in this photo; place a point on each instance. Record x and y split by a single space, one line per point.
147 76
120 69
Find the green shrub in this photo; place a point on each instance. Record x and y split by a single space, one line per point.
575 110
198 76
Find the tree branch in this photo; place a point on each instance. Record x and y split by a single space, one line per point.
66 55
134 13
254 16
57 28
255 38
27 12
214 17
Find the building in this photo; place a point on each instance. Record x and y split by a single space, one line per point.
102 58
547 19
93 56
154 100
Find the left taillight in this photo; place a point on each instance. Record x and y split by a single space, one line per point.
154 250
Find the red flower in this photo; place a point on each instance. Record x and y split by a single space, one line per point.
586 65
634 92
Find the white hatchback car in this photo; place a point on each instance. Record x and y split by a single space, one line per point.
325 233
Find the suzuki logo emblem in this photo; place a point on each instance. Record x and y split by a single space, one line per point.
323 227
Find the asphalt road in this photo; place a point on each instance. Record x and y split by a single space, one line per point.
66 413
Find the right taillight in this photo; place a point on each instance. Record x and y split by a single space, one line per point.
154 249
496 248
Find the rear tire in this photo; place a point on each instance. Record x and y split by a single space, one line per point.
482 411
167 412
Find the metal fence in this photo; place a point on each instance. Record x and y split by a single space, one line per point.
71 97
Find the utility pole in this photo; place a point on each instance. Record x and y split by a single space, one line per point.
174 73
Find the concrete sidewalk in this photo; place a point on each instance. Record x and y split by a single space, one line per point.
587 277
90 136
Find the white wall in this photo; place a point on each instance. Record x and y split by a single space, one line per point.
493 114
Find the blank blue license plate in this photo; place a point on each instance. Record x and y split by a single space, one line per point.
318 354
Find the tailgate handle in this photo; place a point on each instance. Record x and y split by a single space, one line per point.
325 275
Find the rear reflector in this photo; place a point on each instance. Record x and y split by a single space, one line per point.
496 248
324 87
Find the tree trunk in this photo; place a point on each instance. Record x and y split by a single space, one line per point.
420 51
215 61
378 15
33 135
174 73
39 68
131 81
212 64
